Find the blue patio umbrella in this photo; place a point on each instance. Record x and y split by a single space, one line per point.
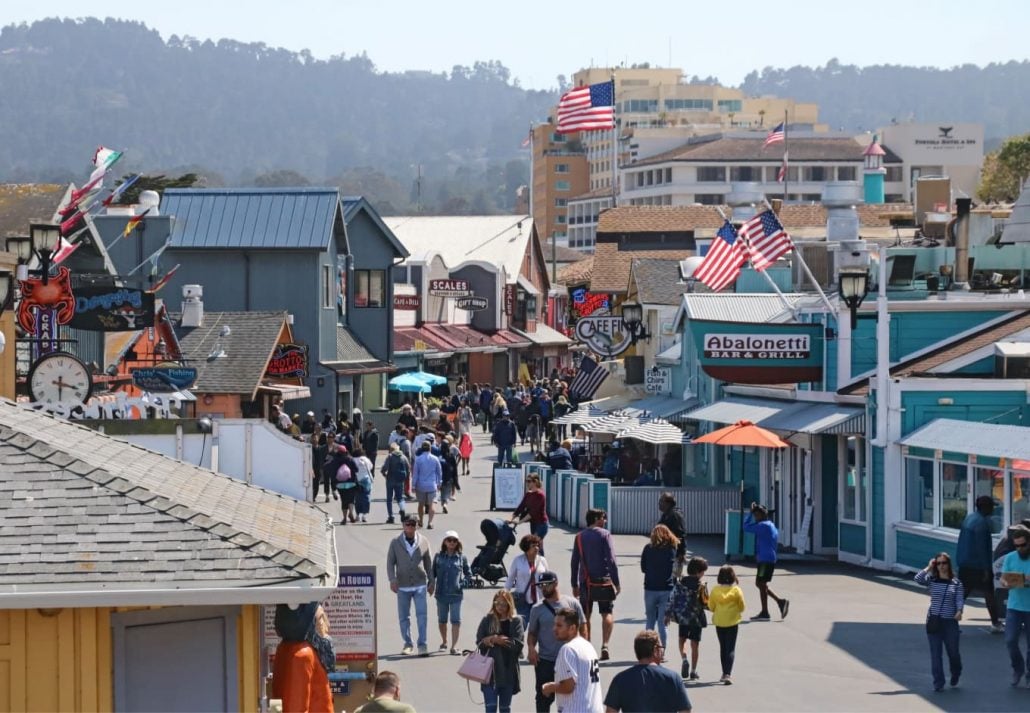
408 382
431 379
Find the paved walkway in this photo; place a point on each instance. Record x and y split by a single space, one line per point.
854 640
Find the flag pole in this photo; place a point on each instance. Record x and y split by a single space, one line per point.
804 266
615 150
152 255
764 274
786 168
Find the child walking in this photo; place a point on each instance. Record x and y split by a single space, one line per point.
727 604
689 604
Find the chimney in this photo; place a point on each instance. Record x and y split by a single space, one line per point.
962 208
192 306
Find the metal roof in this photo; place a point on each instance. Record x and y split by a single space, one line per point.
254 218
982 439
794 416
733 410
659 406
729 307
494 239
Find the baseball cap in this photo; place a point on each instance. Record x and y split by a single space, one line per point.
341 448
548 578
451 533
311 413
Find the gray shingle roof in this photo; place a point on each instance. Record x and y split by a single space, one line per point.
349 348
83 512
658 281
269 218
248 349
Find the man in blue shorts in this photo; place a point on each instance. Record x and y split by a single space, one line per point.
647 687
766 539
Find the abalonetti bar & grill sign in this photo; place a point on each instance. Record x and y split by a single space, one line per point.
448 288
759 353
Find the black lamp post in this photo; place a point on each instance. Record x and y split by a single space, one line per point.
22 249
633 320
853 286
45 239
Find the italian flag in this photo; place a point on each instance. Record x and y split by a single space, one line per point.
105 157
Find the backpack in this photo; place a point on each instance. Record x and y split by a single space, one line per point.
343 474
365 481
684 605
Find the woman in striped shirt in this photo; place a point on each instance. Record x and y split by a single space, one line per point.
946 602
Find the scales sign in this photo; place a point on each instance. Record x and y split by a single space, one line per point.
448 288
605 336
749 353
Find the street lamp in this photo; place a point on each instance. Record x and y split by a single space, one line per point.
22 249
45 239
853 286
633 320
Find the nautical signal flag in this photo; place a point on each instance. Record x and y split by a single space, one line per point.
776 136
163 281
590 108
766 239
588 379
723 260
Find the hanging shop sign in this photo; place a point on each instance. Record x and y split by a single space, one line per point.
112 309
749 353
43 307
448 288
658 381
407 302
472 304
509 299
165 378
585 303
604 336
288 360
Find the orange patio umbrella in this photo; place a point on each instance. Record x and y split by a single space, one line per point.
743 434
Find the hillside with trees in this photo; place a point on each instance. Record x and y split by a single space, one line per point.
244 114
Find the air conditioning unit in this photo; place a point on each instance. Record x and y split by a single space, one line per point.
192 306
1012 360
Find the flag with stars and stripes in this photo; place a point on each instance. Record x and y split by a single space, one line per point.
776 136
781 176
590 108
766 239
723 260
587 380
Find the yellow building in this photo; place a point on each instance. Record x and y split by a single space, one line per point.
559 172
129 580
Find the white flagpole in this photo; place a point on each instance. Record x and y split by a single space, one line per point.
152 255
786 168
615 150
764 274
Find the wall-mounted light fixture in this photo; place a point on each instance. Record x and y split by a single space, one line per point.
45 239
633 320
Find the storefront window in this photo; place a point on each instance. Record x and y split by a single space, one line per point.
954 494
369 288
854 486
991 482
919 490
1020 494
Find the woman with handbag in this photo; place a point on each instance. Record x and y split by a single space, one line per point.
657 562
947 600
500 633
523 574
450 572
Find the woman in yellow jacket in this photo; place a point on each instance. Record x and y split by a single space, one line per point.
727 604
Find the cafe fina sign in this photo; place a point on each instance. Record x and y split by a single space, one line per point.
759 353
604 336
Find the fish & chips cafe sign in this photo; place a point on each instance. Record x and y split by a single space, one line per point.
288 360
448 288
748 353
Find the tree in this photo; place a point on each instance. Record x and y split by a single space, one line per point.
1005 170
155 183
280 179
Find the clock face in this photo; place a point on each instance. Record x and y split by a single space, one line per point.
60 378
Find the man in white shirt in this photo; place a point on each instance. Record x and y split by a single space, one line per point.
577 671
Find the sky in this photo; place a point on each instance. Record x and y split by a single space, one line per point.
538 40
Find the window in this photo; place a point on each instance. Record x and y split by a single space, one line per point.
688 104
991 482
855 484
847 173
1019 502
895 174
919 490
708 198
728 105
560 219
369 288
745 173
668 175
640 106
711 174
562 186
561 202
327 286
561 168
558 138
816 174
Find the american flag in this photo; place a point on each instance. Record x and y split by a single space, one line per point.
723 260
782 174
587 108
775 136
766 239
588 379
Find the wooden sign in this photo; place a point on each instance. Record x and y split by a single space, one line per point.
509 299
112 309
472 304
407 302
448 288
164 379
288 360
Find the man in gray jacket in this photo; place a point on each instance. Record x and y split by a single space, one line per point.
408 564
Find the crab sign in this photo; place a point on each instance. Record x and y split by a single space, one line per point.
55 294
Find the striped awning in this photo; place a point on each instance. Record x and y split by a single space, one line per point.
657 431
583 414
613 423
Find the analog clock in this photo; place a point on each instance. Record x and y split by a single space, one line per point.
60 378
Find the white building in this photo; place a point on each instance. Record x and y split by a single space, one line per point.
937 149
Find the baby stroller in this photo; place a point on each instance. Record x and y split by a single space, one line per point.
488 565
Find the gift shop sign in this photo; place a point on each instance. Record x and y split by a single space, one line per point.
604 336
448 288
288 360
747 353
472 304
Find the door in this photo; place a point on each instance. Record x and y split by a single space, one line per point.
157 652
